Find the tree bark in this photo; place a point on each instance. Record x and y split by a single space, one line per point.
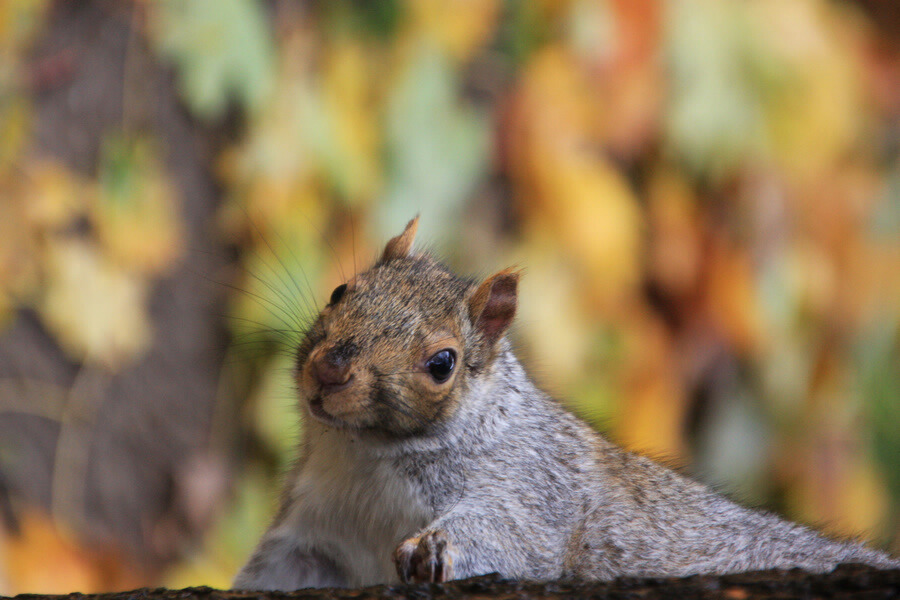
845 582
147 426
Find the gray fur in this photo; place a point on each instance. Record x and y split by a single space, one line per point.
513 482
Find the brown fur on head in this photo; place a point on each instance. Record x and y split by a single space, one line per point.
375 358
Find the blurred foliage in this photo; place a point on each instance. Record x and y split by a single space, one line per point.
703 193
222 49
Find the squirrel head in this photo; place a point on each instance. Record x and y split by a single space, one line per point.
396 348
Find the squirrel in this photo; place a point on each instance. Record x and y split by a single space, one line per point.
431 456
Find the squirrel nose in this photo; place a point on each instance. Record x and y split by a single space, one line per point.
331 371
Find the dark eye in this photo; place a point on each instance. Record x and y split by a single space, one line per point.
440 366
338 293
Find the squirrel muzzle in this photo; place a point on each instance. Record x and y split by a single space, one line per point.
331 371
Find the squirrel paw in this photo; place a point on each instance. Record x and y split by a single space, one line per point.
425 559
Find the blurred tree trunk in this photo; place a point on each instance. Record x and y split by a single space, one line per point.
118 461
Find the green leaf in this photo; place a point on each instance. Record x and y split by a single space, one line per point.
438 147
380 19
222 50
878 357
715 118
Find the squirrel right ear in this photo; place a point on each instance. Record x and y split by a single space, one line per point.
400 246
493 305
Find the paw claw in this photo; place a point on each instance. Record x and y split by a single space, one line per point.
425 559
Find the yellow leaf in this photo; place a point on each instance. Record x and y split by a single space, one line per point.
841 491
652 416
594 214
55 195
676 235
15 127
618 43
348 86
816 108
19 274
41 559
275 166
565 185
552 108
732 298
461 27
96 310
550 318
136 214
19 22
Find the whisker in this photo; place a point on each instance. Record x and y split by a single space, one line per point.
284 268
309 307
259 325
337 258
263 302
353 243
280 346
405 411
304 311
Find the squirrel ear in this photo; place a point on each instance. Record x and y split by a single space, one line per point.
493 305
399 246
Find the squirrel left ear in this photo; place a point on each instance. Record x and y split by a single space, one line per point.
400 246
493 305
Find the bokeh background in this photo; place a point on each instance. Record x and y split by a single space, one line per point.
704 196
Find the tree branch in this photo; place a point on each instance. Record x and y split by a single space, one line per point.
845 582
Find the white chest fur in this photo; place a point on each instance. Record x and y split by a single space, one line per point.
353 506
